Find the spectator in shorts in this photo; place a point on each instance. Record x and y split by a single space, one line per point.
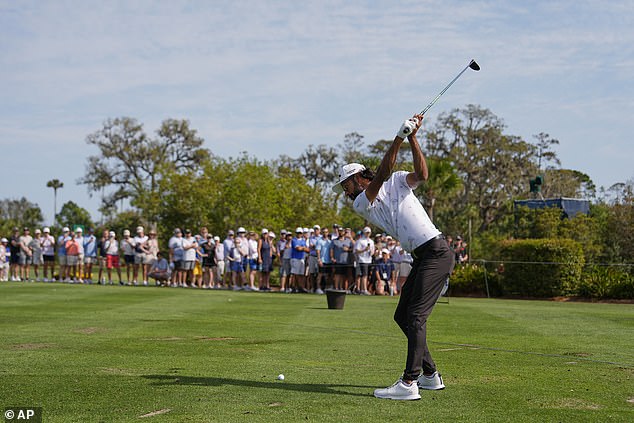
47 242
228 244
209 265
26 255
342 259
253 259
299 249
36 254
219 270
235 264
285 250
111 248
79 236
364 250
90 254
5 254
64 274
160 270
176 255
72 258
189 257
127 245
152 248
140 251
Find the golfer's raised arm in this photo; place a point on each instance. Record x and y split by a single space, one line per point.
420 172
386 167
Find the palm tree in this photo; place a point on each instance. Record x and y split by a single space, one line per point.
442 182
55 184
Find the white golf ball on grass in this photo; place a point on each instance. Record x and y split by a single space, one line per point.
280 377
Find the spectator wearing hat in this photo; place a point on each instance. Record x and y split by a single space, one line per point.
14 258
342 259
151 248
460 250
235 256
176 256
47 243
209 266
219 270
140 251
36 254
299 249
244 251
90 254
64 274
5 255
266 250
364 250
253 260
26 255
72 258
127 245
111 248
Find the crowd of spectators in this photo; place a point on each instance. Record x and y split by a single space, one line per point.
307 260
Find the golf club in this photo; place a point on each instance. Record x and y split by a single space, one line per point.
472 64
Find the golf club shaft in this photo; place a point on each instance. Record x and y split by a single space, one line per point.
470 65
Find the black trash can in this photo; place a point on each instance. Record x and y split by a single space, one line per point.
336 298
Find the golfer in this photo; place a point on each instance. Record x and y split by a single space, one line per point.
387 200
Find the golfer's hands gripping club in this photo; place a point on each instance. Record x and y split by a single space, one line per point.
410 126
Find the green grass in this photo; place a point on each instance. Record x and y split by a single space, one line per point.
95 353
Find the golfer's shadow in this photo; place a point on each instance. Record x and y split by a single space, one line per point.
286 386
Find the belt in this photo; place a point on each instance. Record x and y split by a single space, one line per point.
418 251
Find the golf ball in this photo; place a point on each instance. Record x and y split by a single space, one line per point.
280 377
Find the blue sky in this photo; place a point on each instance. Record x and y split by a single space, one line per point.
272 77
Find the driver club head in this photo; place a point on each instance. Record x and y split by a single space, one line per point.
473 65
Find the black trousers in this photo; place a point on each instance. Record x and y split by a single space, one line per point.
433 262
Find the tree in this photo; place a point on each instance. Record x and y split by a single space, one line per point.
133 164
71 214
318 165
493 166
443 182
55 184
19 213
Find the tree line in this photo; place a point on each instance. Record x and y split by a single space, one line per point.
477 169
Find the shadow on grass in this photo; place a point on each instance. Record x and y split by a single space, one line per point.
286 386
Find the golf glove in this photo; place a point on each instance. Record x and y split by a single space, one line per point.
408 127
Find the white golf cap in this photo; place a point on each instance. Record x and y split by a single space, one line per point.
283 232
306 230
241 230
230 232
272 234
299 230
126 232
367 230
65 229
316 227
47 230
37 231
112 234
79 230
346 172
4 240
385 251
216 238
139 229
265 231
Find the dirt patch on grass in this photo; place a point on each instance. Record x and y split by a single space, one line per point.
166 338
631 400
156 413
31 346
223 338
573 404
89 331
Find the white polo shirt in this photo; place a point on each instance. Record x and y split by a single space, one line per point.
397 210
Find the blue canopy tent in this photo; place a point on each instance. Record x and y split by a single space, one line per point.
569 206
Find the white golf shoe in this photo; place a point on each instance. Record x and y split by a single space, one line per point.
432 383
399 391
